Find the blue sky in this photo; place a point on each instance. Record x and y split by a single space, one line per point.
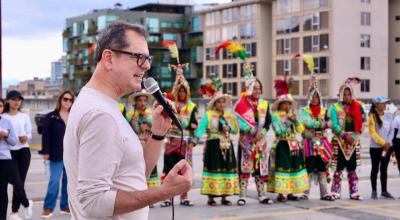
32 32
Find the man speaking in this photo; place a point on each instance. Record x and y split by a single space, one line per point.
105 162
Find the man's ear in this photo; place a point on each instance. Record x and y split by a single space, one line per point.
106 57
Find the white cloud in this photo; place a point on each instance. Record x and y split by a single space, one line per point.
25 58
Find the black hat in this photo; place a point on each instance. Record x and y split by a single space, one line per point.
14 94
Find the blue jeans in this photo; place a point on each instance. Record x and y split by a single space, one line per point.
56 170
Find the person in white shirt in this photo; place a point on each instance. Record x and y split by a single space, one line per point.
20 153
105 162
396 138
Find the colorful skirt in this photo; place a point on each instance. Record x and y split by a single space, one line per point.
252 158
287 173
220 176
318 154
349 160
153 181
174 153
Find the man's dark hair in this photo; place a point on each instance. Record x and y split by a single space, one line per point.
113 36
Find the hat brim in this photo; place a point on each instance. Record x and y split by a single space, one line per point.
284 98
383 101
211 103
137 94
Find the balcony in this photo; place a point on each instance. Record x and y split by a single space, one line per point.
67 33
92 30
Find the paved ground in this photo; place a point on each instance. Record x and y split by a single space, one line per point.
312 209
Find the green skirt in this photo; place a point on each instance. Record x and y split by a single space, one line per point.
220 176
287 172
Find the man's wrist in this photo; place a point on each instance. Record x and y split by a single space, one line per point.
157 137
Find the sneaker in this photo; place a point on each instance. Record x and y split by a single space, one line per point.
387 195
374 195
65 211
47 213
14 216
28 210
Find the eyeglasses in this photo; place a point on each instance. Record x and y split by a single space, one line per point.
67 99
140 57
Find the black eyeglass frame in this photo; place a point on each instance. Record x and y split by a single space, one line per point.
138 56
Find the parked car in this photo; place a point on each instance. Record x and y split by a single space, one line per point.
39 120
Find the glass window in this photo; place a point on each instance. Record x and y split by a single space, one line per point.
295 87
229 15
75 30
166 24
229 33
365 63
248 12
251 49
397 18
366 18
365 40
196 23
152 25
397 60
212 71
85 27
365 85
315 43
397 39
65 45
213 18
165 73
324 42
321 66
397 82
169 36
288 25
286 46
211 55
229 70
230 88
286 6
310 4
166 84
104 20
153 38
247 31
178 25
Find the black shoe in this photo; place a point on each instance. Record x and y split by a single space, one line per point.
374 195
387 195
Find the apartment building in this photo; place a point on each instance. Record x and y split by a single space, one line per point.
247 22
394 49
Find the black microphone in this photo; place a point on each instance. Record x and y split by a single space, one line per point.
152 87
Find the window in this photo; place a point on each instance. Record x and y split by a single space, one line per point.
213 18
287 67
230 33
153 38
166 24
104 20
85 27
213 36
226 54
251 49
211 71
287 46
295 87
196 23
211 55
247 31
230 88
165 73
310 4
366 18
365 40
316 43
365 85
321 66
152 24
398 18
397 60
248 12
229 15
288 25
169 36
286 6
397 82
316 21
397 39
365 63
229 70
75 29
366 1
324 42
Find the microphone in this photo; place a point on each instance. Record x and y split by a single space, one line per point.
151 86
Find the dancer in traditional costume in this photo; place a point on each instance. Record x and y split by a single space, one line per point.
220 178
140 118
176 148
347 117
254 120
317 149
287 173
